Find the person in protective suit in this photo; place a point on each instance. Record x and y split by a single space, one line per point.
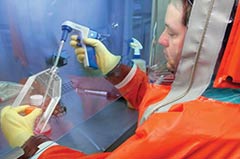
200 128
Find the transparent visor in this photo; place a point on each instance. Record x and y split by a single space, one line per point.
157 70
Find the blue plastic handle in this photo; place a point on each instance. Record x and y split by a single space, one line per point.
92 57
91 51
92 61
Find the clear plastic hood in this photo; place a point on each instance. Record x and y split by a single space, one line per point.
30 31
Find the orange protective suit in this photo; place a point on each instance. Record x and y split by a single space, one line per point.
230 76
203 128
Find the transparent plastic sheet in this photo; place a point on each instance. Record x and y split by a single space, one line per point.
9 90
159 74
26 51
48 22
157 70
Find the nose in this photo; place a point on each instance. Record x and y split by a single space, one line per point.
163 39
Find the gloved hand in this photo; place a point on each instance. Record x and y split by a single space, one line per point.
106 61
17 128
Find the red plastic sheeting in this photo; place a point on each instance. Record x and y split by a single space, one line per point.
228 75
202 128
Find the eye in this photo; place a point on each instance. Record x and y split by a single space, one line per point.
171 34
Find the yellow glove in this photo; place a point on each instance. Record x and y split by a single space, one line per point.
17 128
106 61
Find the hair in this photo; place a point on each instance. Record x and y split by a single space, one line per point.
184 6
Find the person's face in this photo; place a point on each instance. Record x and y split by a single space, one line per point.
172 38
